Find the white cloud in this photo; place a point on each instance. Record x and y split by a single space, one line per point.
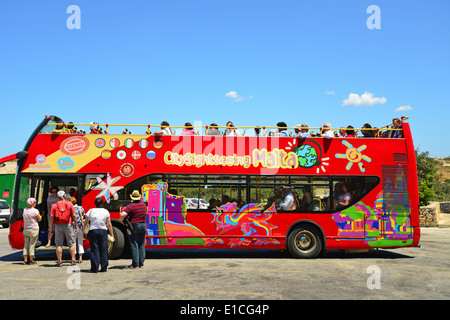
236 97
366 99
332 93
403 108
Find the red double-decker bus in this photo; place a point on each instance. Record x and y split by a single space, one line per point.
232 191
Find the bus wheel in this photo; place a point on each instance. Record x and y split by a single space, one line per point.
115 249
305 242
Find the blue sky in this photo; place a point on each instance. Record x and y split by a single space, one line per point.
176 60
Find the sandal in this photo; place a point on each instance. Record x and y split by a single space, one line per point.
74 262
59 264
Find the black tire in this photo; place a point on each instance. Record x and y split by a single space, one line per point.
115 249
305 242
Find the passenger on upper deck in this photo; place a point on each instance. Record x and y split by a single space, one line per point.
94 127
165 129
213 130
350 132
188 130
396 124
326 132
258 132
367 133
282 127
58 129
342 132
303 131
231 130
70 128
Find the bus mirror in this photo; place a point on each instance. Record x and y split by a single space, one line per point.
22 155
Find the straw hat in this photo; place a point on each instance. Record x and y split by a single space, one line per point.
135 195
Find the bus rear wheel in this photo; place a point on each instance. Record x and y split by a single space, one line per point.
116 248
305 242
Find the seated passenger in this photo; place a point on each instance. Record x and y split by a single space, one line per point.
275 199
70 128
287 200
343 199
306 202
225 199
258 132
58 129
360 190
350 132
188 130
231 130
282 127
396 124
301 131
94 127
165 129
342 132
213 130
368 133
326 132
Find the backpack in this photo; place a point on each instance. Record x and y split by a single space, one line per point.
62 216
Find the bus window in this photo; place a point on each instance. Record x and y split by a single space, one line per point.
91 180
51 126
310 192
347 190
225 189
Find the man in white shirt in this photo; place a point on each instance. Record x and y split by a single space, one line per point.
326 132
287 200
165 129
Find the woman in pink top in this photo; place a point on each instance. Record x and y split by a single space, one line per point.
188 130
31 218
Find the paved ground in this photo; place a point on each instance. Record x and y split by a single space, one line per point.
410 273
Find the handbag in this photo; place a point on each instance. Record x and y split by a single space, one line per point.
86 223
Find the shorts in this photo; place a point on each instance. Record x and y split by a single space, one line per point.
64 231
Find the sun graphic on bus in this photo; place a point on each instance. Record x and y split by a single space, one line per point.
353 155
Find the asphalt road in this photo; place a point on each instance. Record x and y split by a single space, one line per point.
409 273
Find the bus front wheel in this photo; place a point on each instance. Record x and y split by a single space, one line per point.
305 242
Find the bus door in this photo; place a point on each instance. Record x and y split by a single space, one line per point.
396 213
42 185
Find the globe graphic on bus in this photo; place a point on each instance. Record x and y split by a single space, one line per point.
307 156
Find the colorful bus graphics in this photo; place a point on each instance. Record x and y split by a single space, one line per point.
225 192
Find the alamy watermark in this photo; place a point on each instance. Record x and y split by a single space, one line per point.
74 280
374 20
374 279
74 20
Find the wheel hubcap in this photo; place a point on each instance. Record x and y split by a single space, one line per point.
305 241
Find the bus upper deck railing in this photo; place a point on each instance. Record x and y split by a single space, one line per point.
96 128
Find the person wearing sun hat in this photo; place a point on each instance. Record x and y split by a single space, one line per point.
136 212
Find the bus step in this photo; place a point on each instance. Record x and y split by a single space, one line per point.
51 248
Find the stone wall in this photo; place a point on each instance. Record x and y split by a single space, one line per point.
431 215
